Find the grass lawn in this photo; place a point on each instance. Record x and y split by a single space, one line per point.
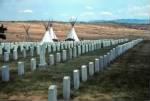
35 84
127 78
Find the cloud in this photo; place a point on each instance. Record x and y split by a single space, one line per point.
87 13
105 13
89 8
27 11
139 10
143 14
134 11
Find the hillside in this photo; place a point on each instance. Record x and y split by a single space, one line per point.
86 31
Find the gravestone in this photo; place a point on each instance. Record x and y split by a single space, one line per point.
52 93
58 58
74 52
6 56
70 53
91 68
66 87
64 55
24 53
15 55
42 63
76 79
96 65
101 65
51 59
84 73
33 64
20 68
5 73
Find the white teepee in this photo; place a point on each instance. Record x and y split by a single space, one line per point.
49 35
46 37
52 34
72 35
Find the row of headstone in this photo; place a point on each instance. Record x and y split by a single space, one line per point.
75 51
72 53
20 69
34 47
88 71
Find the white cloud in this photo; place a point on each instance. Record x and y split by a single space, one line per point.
134 11
143 14
87 13
89 8
105 13
139 10
25 11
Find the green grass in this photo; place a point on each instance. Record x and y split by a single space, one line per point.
126 79
37 83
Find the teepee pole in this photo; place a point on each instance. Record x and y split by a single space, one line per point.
26 28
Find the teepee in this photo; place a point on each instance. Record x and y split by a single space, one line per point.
49 35
72 35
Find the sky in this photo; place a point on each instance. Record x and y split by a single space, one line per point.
83 10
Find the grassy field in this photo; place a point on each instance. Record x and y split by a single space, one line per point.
34 85
16 31
125 79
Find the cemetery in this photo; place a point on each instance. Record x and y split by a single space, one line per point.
58 68
74 50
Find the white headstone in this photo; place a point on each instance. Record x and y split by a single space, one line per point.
15 55
1 50
52 93
5 73
83 49
79 50
24 53
33 64
105 61
70 53
6 56
76 79
51 59
64 55
96 65
20 68
32 51
42 57
91 68
101 63
66 87
74 52
58 58
49 48
86 48
38 50
84 73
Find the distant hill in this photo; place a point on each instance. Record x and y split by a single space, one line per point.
128 21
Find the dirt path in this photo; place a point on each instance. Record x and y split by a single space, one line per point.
126 79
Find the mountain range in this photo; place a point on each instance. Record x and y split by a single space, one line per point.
128 21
